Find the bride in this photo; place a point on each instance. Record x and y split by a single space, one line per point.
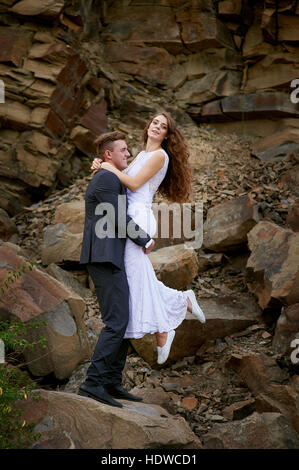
162 165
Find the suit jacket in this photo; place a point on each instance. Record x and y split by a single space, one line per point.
107 223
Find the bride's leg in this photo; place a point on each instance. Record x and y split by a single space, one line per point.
193 306
161 339
165 340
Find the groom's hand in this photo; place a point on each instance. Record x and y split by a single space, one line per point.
149 249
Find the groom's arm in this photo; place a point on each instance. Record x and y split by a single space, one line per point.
108 191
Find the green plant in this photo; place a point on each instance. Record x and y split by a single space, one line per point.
15 432
10 333
15 274
16 386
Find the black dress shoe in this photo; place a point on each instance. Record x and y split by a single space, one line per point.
118 391
98 393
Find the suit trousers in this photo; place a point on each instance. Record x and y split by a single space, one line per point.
109 356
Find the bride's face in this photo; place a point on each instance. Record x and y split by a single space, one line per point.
158 128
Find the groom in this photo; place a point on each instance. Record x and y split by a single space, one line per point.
103 254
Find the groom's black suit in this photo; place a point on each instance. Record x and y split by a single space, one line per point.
104 258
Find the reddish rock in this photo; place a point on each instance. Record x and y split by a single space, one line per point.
293 216
290 179
275 71
249 106
230 8
287 329
239 410
63 239
277 138
262 375
14 45
152 25
53 52
43 8
155 396
83 140
176 266
272 277
190 403
257 431
95 119
258 372
288 27
7 226
224 316
201 29
68 98
150 63
37 296
268 25
55 125
282 399
227 224
68 421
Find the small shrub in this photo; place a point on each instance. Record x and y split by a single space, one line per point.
15 385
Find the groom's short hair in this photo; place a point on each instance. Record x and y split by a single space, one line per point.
106 142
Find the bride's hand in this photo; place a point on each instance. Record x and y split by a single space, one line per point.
107 166
96 165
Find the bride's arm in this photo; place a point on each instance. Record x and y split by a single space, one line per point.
152 166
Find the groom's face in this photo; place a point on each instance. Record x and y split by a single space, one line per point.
118 155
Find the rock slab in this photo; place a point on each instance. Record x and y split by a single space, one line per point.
69 421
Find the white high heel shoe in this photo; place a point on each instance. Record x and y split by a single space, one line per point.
163 351
196 310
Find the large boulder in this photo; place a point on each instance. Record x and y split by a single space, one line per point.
63 239
224 316
68 421
249 106
275 71
269 383
37 296
272 269
176 266
47 8
293 216
286 331
278 138
68 280
228 223
8 228
288 26
257 431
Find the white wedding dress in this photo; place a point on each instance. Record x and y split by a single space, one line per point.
154 307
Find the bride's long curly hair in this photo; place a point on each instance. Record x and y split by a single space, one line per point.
176 186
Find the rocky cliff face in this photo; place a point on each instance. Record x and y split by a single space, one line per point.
67 66
73 69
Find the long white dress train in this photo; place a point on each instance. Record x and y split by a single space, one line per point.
154 307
